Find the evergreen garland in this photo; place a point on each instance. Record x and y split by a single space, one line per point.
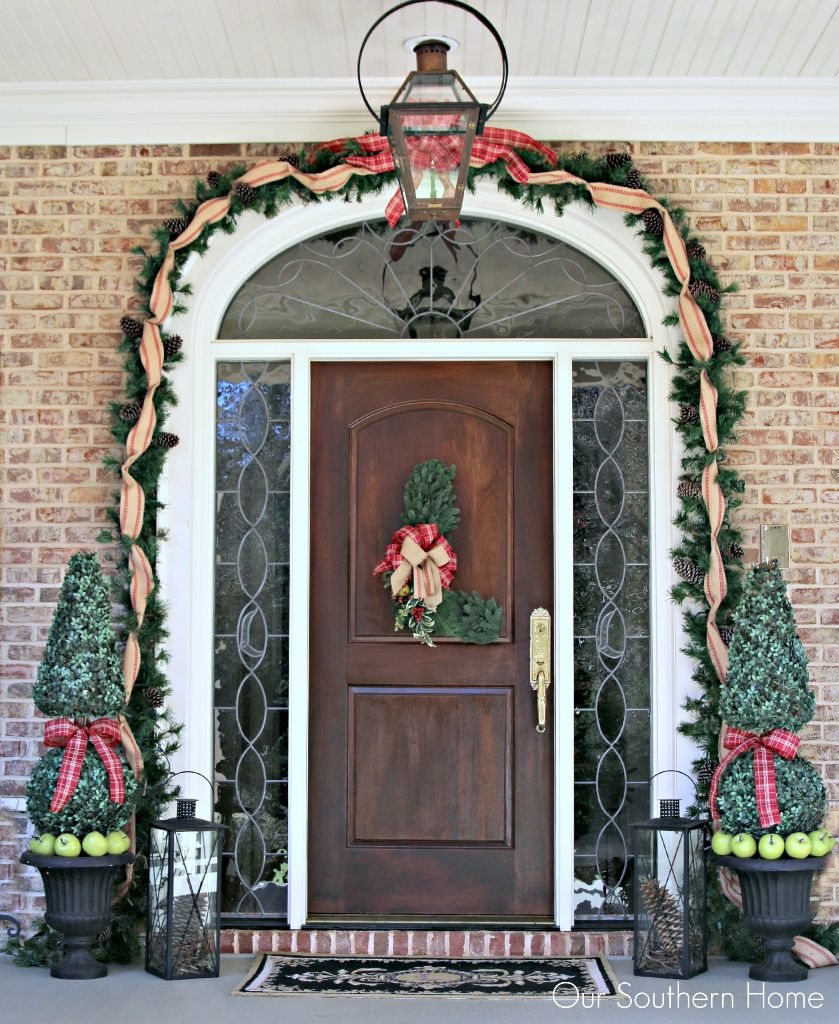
156 733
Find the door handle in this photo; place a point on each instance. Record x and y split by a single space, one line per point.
540 662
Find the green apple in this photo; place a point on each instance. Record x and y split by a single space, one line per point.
95 844
823 842
67 846
118 842
770 846
721 843
743 845
43 845
798 845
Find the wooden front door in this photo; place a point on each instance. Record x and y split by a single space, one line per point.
430 791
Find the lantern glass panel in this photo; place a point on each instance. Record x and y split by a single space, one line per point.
670 931
433 87
183 931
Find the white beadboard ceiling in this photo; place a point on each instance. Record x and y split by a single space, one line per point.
77 66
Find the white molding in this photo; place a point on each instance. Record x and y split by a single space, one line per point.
186 569
265 110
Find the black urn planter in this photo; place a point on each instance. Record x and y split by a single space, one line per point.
78 893
776 908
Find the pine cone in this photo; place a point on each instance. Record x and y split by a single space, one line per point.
701 289
735 550
726 634
244 192
130 413
213 179
154 697
688 414
130 327
172 345
165 440
721 344
689 489
696 251
633 179
688 570
176 225
653 221
665 915
291 158
706 771
615 160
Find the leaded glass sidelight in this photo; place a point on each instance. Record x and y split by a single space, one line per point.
481 279
611 631
251 634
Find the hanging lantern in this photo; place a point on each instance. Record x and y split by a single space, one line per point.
431 124
183 933
671 938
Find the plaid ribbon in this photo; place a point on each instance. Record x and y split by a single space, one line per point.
737 741
104 734
428 539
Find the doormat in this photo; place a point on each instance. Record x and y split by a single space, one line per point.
279 975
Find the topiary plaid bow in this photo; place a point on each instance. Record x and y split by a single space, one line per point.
103 733
778 741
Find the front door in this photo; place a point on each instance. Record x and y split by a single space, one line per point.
430 790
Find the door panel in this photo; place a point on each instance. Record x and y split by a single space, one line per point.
431 794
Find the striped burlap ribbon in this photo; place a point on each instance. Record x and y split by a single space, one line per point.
497 144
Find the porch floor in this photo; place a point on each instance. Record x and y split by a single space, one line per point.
131 996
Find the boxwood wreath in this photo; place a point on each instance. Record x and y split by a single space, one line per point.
707 558
419 566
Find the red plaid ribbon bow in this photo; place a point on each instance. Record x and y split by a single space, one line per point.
103 733
423 550
778 741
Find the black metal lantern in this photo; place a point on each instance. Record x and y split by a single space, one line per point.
431 124
671 936
183 933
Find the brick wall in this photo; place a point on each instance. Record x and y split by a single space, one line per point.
769 215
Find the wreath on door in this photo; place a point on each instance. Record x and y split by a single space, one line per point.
420 564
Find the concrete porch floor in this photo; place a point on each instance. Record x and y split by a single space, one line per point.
130 996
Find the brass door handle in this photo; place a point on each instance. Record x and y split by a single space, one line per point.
540 662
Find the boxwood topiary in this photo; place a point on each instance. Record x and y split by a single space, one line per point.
801 797
90 808
81 673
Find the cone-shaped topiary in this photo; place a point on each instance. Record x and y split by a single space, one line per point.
768 684
90 808
81 674
80 678
767 688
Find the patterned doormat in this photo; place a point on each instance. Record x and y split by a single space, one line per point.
274 975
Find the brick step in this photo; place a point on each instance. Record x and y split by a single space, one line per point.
429 943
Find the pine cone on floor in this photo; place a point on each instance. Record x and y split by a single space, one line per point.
653 221
165 440
689 489
172 345
244 192
701 289
130 413
688 414
130 327
176 225
688 570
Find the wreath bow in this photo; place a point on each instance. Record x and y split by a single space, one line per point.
737 742
104 734
422 552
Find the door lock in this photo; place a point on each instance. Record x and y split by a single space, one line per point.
540 662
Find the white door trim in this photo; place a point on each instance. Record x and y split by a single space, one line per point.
186 564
